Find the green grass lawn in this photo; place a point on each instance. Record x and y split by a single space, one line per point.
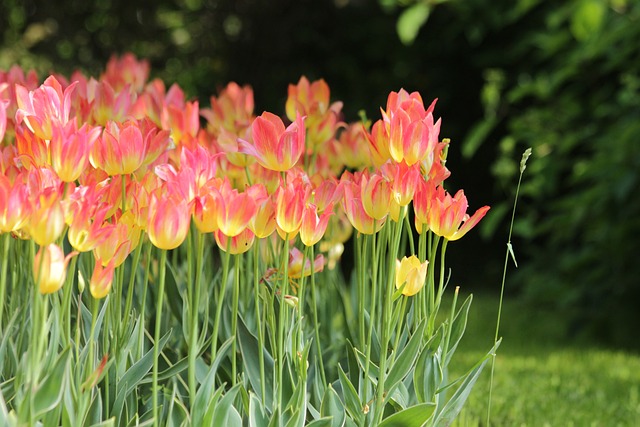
540 378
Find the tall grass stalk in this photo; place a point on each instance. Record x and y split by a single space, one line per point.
509 252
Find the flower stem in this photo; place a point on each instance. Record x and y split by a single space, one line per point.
195 304
3 273
220 302
259 326
156 336
316 325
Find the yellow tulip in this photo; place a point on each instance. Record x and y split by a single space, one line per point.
412 272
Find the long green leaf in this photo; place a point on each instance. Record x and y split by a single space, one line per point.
134 376
49 392
250 358
457 328
453 407
414 416
352 402
207 395
257 417
406 360
220 416
332 407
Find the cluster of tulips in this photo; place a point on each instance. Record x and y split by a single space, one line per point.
107 160
108 166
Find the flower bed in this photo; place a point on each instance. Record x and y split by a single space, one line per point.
172 265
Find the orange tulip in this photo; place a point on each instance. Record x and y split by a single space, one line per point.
313 226
14 205
448 215
290 202
237 244
70 149
101 279
121 150
168 220
275 147
296 268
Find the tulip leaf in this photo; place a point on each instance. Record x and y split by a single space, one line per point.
250 358
321 422
332 407
49 392
428 374
207 395
134 376
453 407
257 417
223 415
405 361
353 405
414 416
457 328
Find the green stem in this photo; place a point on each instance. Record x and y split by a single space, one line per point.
256 290
282 321
372 311
195 305
130 289
523 163
66 299
316 325
3 274
234 318
220 302
386 321
156 337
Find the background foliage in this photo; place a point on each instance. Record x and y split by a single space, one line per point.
562 77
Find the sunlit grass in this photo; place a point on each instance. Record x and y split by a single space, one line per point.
541 377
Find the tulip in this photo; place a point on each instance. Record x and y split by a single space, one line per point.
296 268
14 205
50 268
290 203
168 220
313 226
234 210
101 279
121 150
237 244
411 273
275 147
448 216
375 193
40 109
70 149
46 222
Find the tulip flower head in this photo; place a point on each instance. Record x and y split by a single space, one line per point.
168 219
101 279
411 273
44 107
50 268
275 147
448 216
